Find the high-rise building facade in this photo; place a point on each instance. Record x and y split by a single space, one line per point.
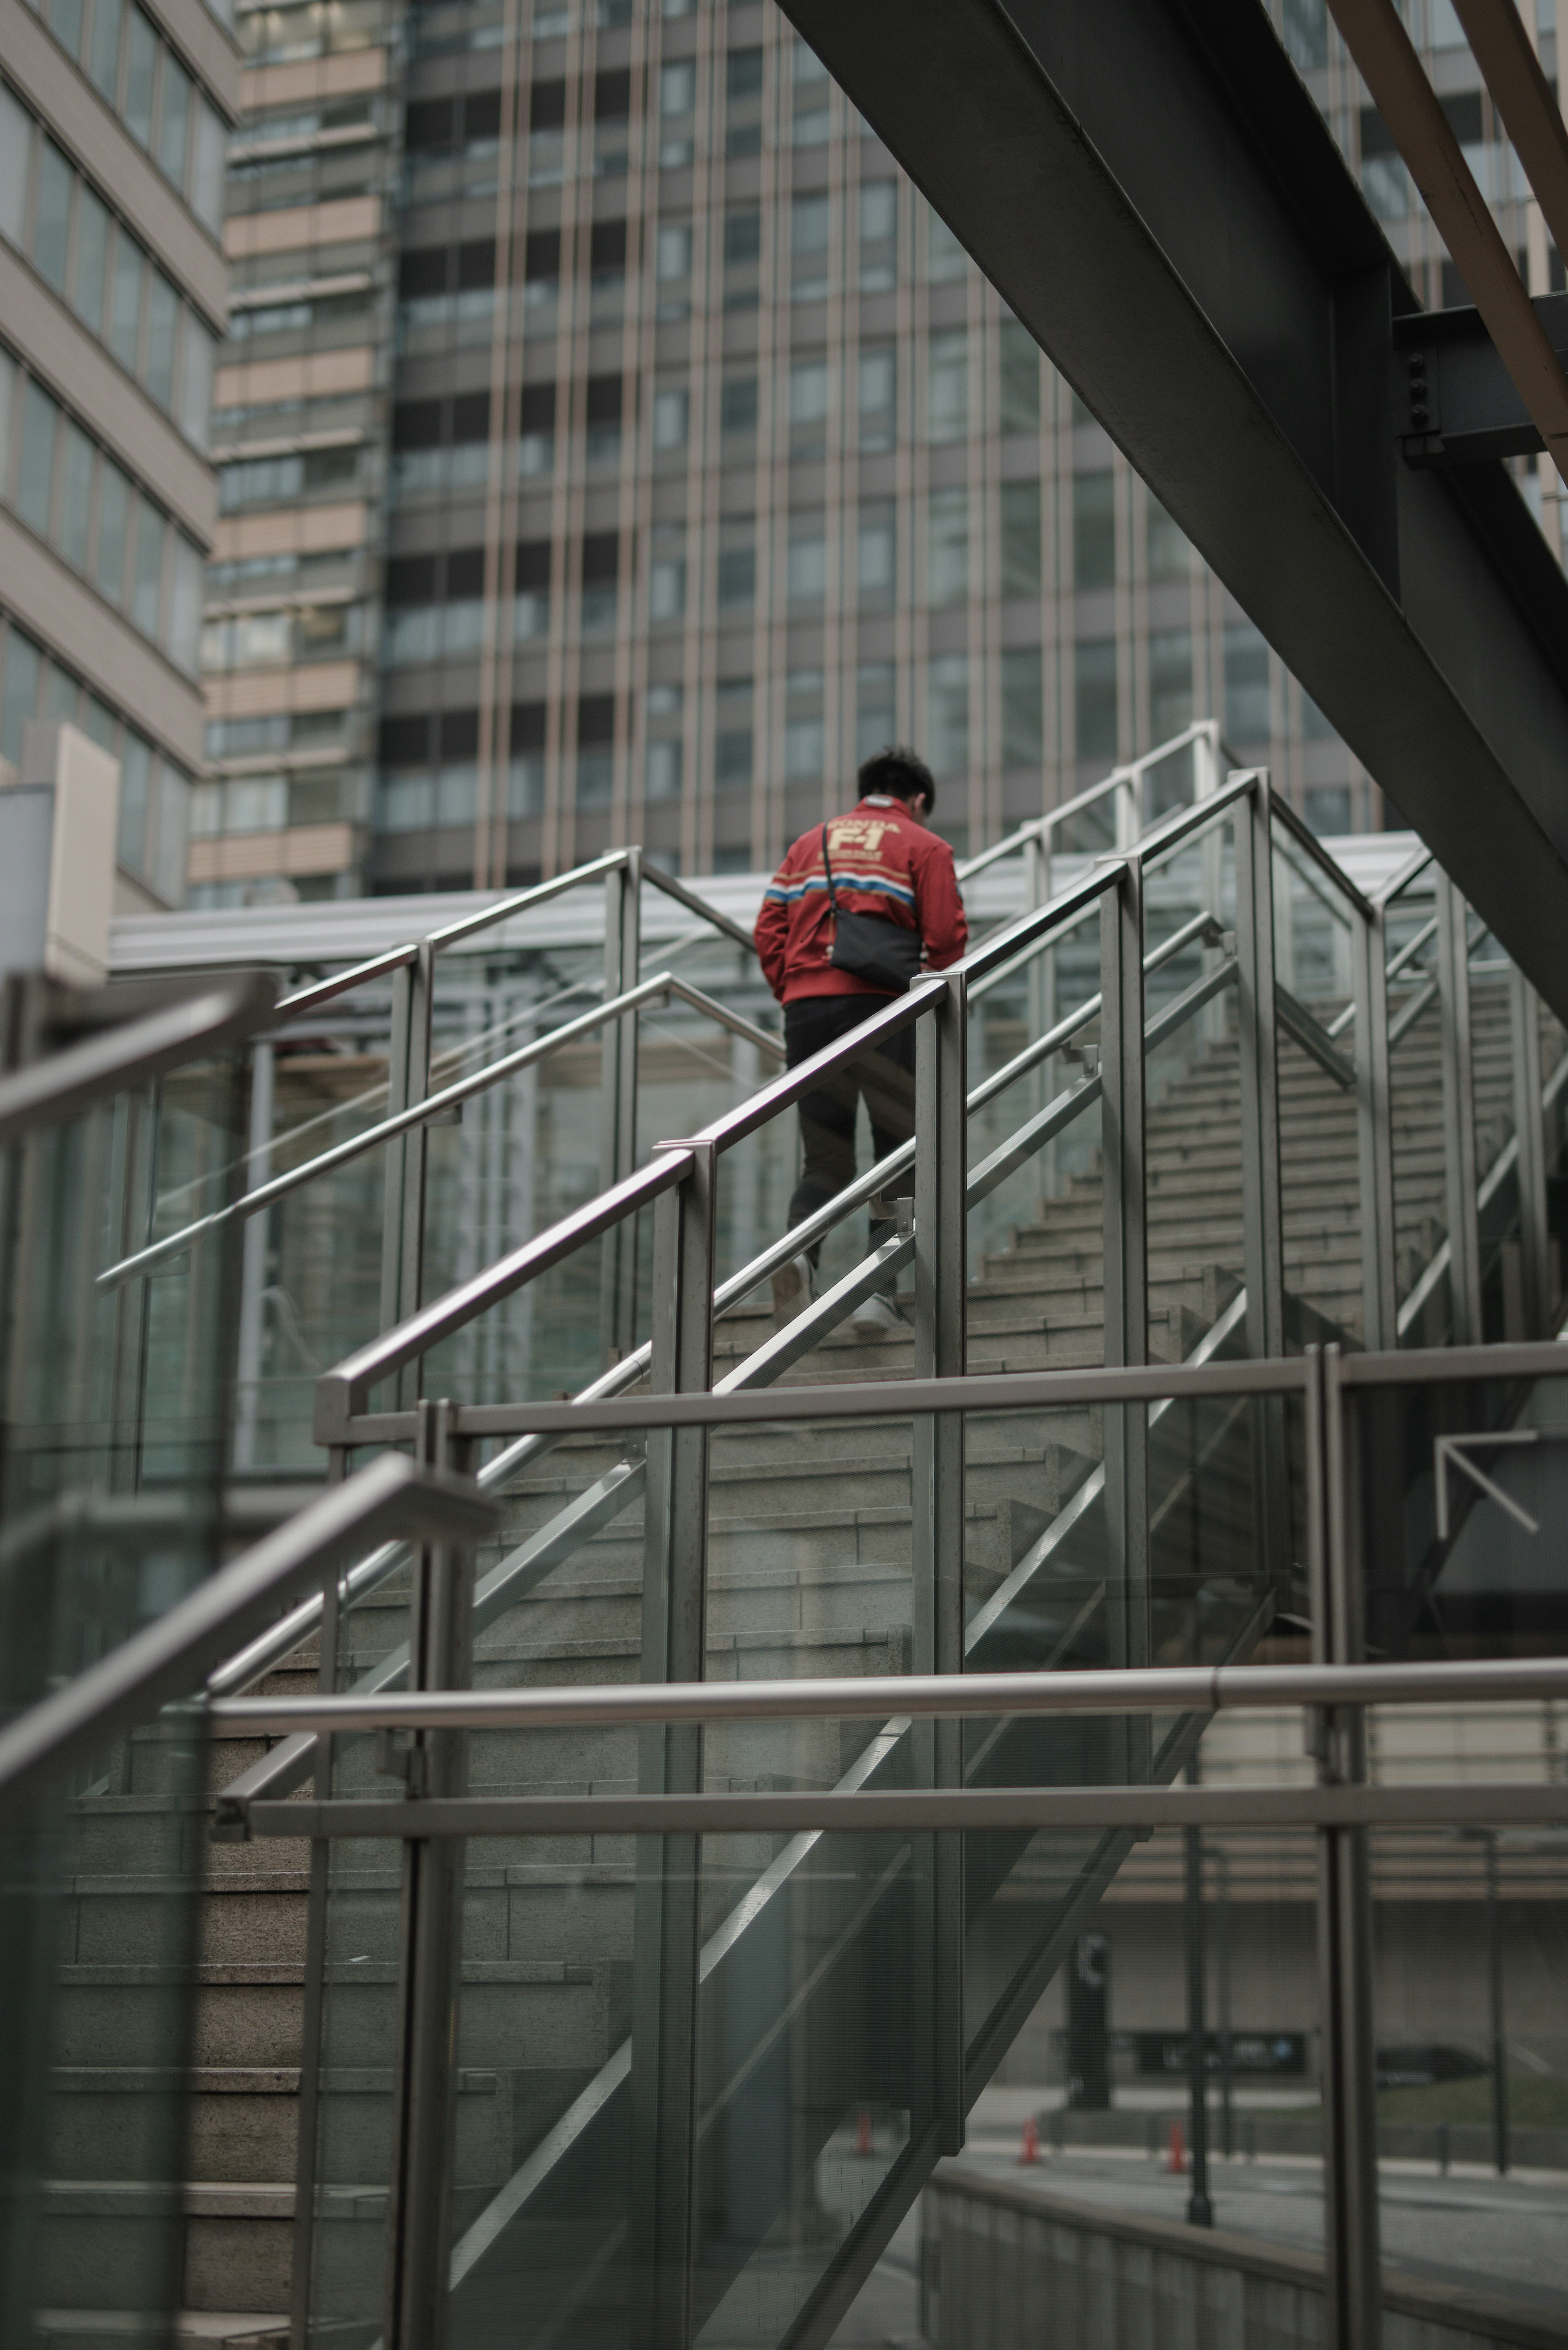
113 117
616 446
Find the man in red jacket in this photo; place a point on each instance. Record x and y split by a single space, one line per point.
885 864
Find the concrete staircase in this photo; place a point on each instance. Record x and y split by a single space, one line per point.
810 1540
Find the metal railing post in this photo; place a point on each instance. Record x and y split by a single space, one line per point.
1042 987
667 1917
1529 1127
618 1131
250 1342
1458 1115
1126 1240
1374 1132
1354 2316
1263 1244
1263 1235
403 1234
430 1955
936 1493
397 1099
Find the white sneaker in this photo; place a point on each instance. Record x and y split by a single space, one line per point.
877 1314
791 1288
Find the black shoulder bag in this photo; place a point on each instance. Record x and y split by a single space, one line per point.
875 947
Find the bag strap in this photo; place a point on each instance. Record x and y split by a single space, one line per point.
827 869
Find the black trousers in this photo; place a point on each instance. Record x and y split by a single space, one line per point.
883 1076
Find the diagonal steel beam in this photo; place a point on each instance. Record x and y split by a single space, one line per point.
1522 94
1408 104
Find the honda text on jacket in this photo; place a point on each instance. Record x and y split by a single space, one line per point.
885 863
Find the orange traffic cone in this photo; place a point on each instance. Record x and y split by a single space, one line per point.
1028 2153
863 2133
1176 2161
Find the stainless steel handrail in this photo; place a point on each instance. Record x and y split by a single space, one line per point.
1139 1808
66 1083
1042 828
168 1659
1149 1688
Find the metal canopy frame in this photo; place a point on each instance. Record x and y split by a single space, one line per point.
1153 191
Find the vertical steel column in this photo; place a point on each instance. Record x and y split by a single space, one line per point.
618 1129
399 1032
302 2249
936 1493
430 1957
1263 1245
1263 1237
1529 1127
1199 2204
253 1262
403 1236
1125 1242
667 1934
1499 2147
1459 1115
1374 1131
1206 775
1354 2316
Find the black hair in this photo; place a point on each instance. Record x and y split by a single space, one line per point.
899 772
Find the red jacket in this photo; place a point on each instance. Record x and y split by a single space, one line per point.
883 863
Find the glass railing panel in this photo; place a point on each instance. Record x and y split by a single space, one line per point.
1505 1312
1215 1575
311 1293
1420 1180
545 1995
1093 2101
1471 2051
110 1513
1320 1203
1454 1566
1036 1237
813 2062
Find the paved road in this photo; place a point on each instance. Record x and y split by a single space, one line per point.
1508 2236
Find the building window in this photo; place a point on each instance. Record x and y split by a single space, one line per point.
1021 541
878 397
1019 373
874 707
667 573
738 405
671 417
1023 708
947 554
947 719
1170 682
947 386
810 222
737 576
661 768
879 235
1094 530
1247 708
1095 697
601 565
877 557
805 565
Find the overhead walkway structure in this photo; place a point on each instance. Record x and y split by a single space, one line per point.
479 1859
